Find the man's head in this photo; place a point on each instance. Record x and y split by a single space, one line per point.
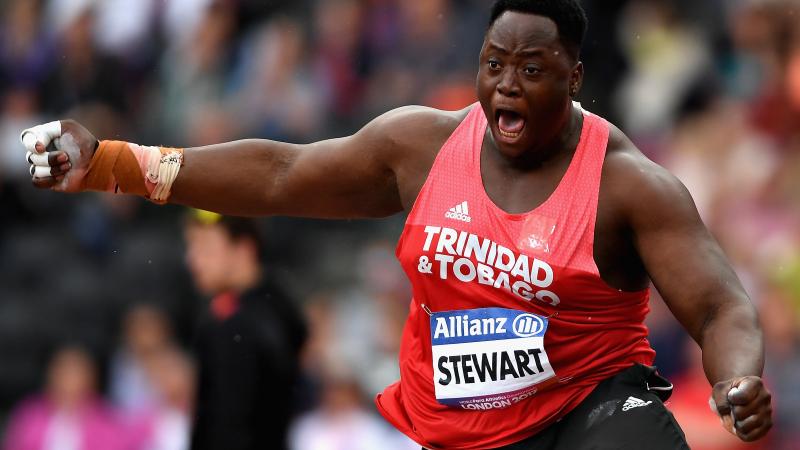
223 253
530 70
568 15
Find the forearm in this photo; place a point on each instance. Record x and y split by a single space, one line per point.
350 177
240 178
732 342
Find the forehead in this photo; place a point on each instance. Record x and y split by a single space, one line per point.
203 233
516 31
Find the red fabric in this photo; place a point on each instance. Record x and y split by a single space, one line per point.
596 332
224 306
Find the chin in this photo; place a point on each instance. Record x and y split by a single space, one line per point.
511 148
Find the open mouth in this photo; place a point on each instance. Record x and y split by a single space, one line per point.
509 123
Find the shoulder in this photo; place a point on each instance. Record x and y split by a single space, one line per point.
420 118
639 188
30 408
414 127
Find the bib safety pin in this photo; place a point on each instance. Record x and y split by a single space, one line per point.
426 309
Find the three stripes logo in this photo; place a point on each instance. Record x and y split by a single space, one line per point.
459 212
633 402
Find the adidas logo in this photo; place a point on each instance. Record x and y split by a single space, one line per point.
459 212
633 402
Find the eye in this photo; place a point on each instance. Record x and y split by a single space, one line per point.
493 65
531 70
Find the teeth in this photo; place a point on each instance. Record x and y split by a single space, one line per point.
507 134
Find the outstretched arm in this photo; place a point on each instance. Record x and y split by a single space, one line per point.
354 176
339 178
696 281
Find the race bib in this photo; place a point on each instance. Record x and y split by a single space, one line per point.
488 358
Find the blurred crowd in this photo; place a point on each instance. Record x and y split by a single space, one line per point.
97 309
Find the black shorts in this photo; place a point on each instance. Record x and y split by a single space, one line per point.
624 412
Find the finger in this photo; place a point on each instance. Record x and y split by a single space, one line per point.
761 402
60 169
36 139
728 423
745 391
44 183
749 424
756 434
38 159
719 398
41 171
57 157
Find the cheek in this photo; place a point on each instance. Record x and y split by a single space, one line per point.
484 84
206 267
215 267
549 102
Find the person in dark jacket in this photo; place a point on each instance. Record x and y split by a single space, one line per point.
248 344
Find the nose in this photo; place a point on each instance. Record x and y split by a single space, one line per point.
508 85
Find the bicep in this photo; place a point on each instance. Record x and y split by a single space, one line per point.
338 178
682 258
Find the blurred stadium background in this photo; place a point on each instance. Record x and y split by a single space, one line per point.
710 89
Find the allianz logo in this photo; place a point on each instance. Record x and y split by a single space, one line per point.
527 325
524 325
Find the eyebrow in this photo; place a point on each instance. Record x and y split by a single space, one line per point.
526 52
499 48
531 52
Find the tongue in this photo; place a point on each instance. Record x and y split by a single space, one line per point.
510 122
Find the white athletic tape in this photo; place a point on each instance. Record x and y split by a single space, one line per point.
38 159
41 172
40 133
168 169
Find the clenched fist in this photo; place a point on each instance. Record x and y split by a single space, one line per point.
59 153
744 404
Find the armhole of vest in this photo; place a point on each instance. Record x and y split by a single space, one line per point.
461 128
606 127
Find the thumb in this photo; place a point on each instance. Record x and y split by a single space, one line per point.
720 402
36 139
719 397
744 391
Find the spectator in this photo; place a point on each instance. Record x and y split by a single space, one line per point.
68 415
26 53
709 89
248 346
342 422
167 425
87 78
146 333
279 97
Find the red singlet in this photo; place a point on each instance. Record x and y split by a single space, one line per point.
510 326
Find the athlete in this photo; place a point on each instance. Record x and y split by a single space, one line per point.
533 232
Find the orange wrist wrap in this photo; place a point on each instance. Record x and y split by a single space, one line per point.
132 169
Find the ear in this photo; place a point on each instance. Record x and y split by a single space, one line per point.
576 79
